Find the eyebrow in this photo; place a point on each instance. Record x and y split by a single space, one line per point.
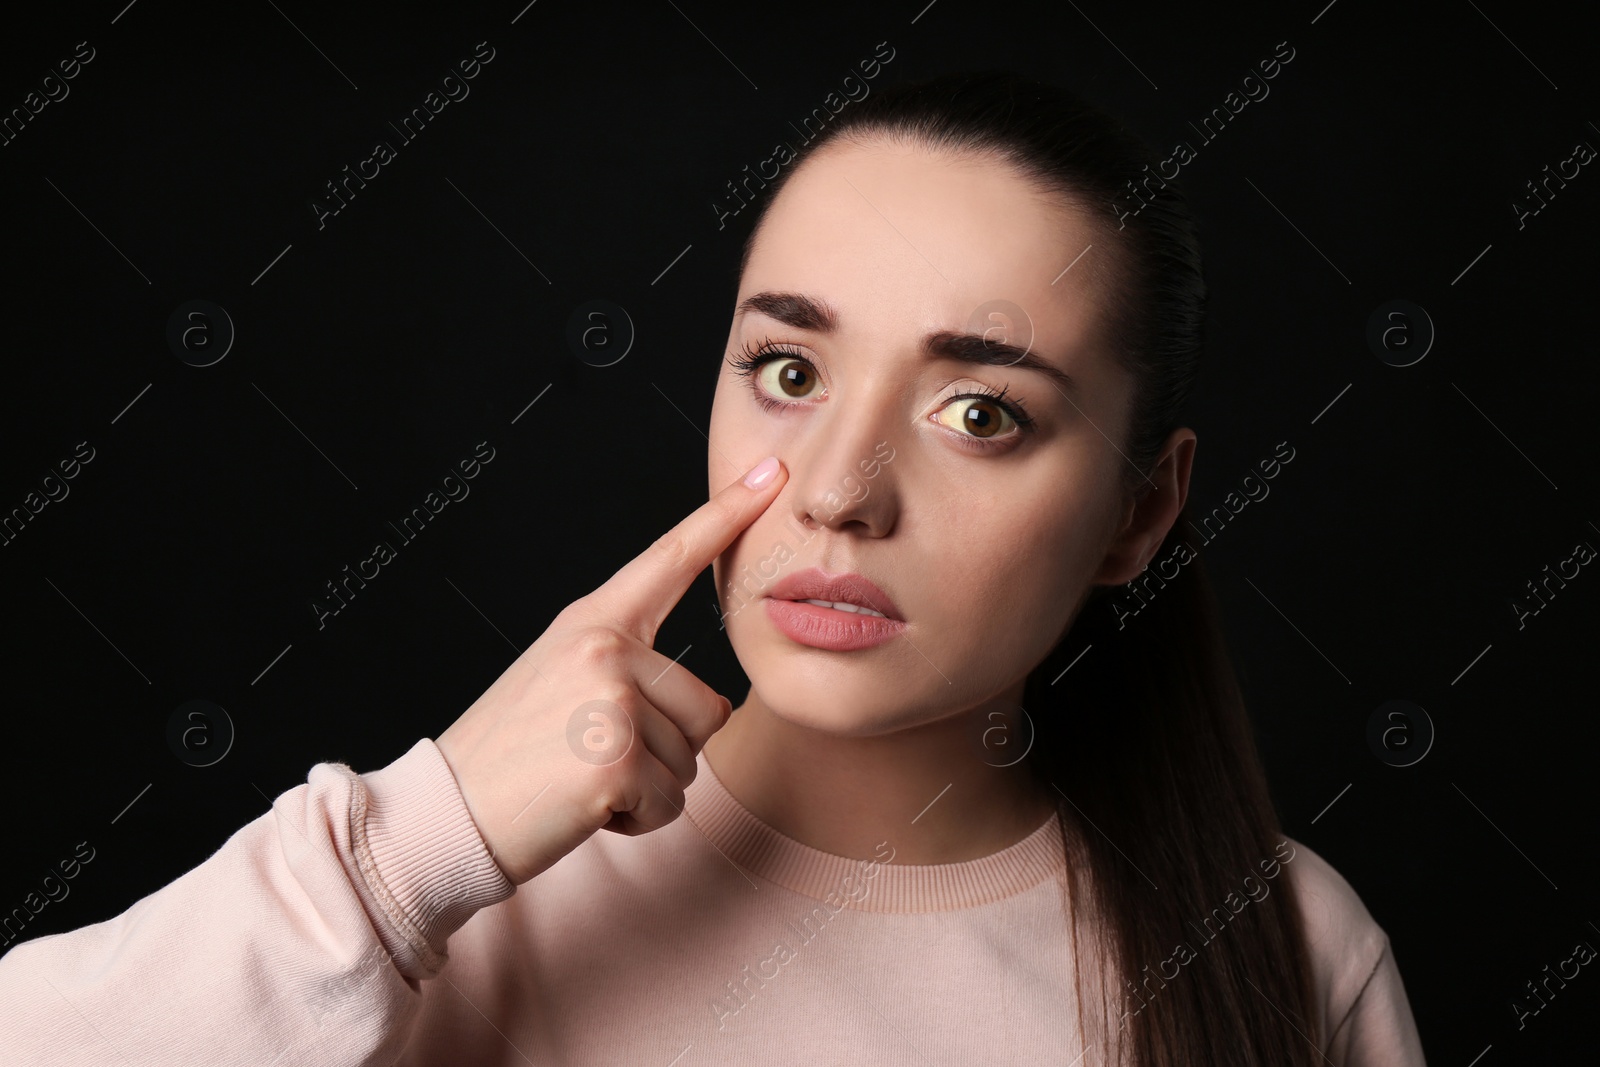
807 313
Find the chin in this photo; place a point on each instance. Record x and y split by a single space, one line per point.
831 699
829 715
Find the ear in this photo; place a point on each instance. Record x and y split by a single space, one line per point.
1150 512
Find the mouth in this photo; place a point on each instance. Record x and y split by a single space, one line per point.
849 593
828 628
840 605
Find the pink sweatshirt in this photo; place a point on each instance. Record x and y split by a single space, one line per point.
317 934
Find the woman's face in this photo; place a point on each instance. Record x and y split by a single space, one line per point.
984 534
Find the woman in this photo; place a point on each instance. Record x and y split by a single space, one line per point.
967 319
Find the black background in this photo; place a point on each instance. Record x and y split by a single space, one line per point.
427 315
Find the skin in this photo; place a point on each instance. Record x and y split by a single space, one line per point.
988 555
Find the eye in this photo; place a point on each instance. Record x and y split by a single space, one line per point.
776 372
976 415
982 420
986 419
787 377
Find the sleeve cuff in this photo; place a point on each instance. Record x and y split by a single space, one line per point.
421 855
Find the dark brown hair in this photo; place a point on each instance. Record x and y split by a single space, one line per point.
1145 743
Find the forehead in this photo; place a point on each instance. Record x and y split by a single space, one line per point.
899 236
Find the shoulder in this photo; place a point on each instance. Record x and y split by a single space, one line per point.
1345 942
1340 931
1355 979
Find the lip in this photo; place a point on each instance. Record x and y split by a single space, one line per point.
813 583
831 628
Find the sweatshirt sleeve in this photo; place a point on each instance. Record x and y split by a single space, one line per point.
304 939
1361 1004
1379 1028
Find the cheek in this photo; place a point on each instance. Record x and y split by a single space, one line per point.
1017 570
739 433
718 438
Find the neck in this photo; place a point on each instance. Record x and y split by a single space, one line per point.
928 791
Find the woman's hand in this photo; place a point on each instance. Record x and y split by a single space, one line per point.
590 728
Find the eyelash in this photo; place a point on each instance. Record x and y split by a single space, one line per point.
752 357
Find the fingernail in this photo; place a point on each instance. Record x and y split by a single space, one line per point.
762 473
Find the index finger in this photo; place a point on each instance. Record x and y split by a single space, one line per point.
644 592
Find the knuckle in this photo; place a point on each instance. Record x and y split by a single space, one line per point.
619 706
598 646
672 550
725 512
718 708
622 697
619 785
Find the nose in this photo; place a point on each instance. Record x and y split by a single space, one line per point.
844 476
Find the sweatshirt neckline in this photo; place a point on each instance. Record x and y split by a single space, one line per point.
877 885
